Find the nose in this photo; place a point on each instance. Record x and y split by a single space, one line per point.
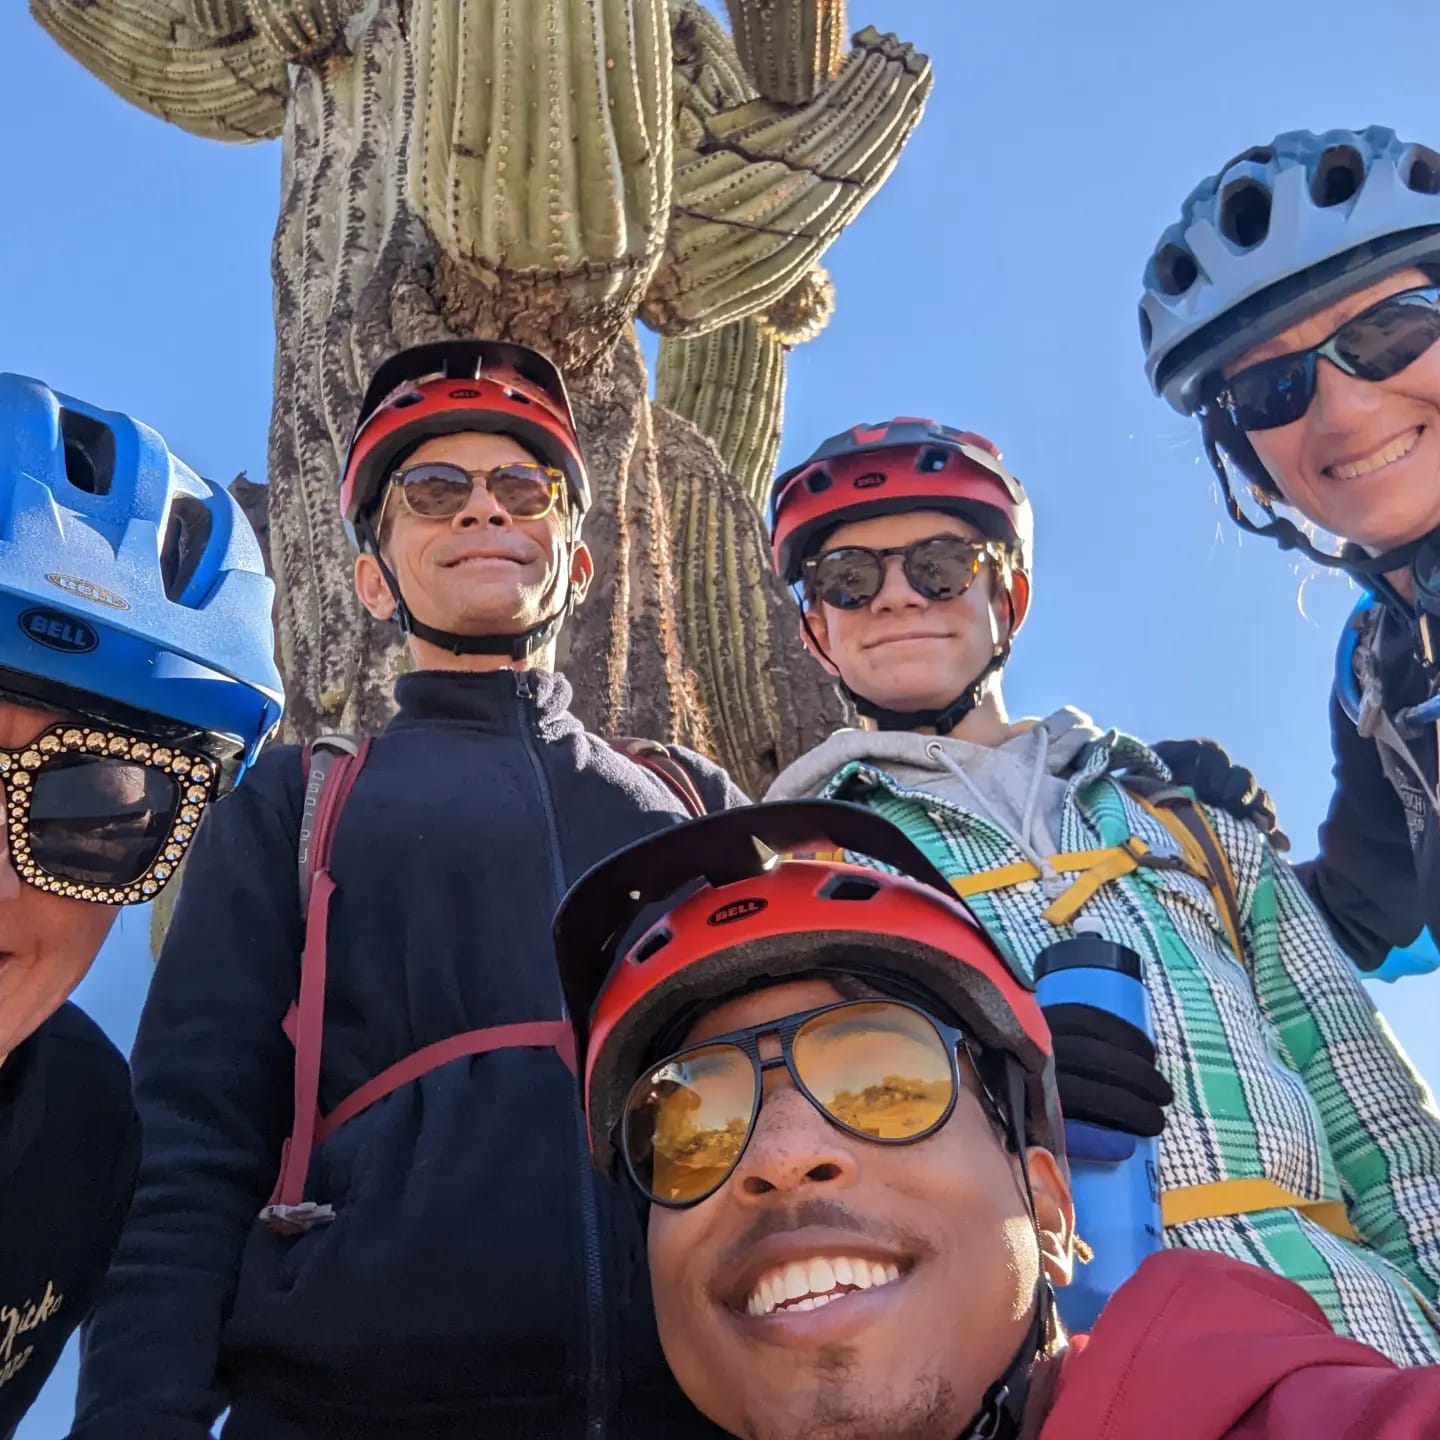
481 508
896 593
1342 402
794 1152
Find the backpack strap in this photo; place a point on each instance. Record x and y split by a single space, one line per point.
331 765
1183 816
662 763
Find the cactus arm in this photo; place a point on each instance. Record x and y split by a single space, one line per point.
543 160
790 48
730 384
203 65
768 189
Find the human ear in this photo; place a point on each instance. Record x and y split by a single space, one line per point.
582 571
372 588
1054 1215
815 634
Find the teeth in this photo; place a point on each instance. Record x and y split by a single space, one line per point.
1397 449
797 1281
809 1285
822 1277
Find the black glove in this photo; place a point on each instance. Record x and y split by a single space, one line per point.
1207 769
1105 1071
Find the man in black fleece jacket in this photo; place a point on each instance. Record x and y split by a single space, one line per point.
475 1279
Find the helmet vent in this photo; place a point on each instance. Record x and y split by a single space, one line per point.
186 536
1175 270
1147 330
89 452
405 401
650 947
516 396
849 887
932 460
1423 173
1259 155
819 482
1245 213
1337 177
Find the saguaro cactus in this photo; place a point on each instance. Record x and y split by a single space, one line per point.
549 172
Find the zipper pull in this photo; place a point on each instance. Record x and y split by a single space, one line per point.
522 684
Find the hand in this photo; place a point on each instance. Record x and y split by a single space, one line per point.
1207 769
1105 1071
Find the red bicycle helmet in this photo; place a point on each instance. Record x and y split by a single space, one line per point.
903 464
737 914
455 385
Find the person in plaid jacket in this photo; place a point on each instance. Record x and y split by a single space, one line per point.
1299 1137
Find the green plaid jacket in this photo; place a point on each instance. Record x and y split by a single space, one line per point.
1281 1067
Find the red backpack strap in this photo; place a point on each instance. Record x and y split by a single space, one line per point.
331 766
661 762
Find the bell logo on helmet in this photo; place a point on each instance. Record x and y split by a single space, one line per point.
737 910
88 590
870 481
465 394
58 631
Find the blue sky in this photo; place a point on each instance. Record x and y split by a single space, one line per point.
993 284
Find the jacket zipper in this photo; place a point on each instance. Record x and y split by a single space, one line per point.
596 1399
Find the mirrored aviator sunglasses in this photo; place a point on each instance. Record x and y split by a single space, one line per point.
882 1070
102 815
438 490
1374 345
939 567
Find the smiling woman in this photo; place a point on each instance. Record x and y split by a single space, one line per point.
1294 308
135 687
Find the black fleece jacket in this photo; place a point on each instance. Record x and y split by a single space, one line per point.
478 1280
1377 876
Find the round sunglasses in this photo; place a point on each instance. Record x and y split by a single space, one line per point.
940 567
438 490
1373 345
101 814
882 1070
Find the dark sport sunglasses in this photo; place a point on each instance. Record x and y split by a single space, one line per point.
438 490
100 814
1373 345
939 567
883 1070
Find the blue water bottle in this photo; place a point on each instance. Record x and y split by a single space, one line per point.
1115 1177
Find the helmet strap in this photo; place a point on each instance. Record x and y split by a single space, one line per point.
1369 570
1002 1411
521 646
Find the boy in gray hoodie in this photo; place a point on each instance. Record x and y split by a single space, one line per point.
1298 1138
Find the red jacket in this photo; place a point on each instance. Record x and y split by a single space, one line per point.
1199 1347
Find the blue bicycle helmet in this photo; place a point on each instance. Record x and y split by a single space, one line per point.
131 589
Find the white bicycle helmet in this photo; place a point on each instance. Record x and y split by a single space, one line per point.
1279 233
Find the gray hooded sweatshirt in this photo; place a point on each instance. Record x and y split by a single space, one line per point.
1019 786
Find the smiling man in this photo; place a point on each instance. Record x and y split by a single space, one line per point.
1300 1138
435 1258
839 1103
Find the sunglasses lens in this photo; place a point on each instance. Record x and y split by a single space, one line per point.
849 578
687 1122
526 491
880 1069
98 821
435 491
1382 342
1272 393
943 566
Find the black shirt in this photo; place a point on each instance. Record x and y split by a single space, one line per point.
69 1144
